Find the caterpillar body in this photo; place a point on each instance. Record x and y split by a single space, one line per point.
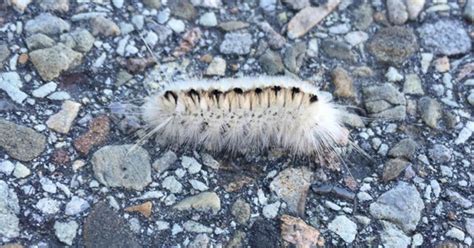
246 114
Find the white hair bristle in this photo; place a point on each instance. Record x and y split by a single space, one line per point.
246 114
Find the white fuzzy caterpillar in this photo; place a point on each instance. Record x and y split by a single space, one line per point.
246 114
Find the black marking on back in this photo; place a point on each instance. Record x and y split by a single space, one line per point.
294 91
258 91
313 98
276 89
192 93
238 91
169 94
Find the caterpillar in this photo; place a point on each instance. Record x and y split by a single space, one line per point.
246 115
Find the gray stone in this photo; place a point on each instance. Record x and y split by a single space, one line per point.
174 186
270 211
62 121
268 5
104 227
274 39
344 228
204 202
446 37
338 50
384 101
297 4
11 83
55 5
201 240
183 9
48 206
195 227
76 206
440 153
153 4
413 85
216 67
48 185
294 57
430 111
4 53
356 37
191 164
66 231
6 167
9 208
392 237
468 13
397 11
208 19
233 25
291 185
122 166
236 43
104 27
455 233
51 62
271 62
393 75
21 142
470 226
393 168
393 45
44 90
241 211
406 148
47 23
21 171
363 16
165 161
458 199
138 21
402 205
39 41
80 40
209 161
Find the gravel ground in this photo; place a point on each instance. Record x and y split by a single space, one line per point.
72 74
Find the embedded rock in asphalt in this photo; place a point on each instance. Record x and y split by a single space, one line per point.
236 43
21 142
51 62
393 45
401 205
9 208
48 24
446 37
291 185
106 228
122 166
204 201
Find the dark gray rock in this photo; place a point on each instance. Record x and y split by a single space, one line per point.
393 45
106 228
294 57
393 168
80 40
384 101
446 37
271 62
122 166
363 16
338 50
165 161
241 211
405 149
402 205
430 111
21 142
4 53
183 9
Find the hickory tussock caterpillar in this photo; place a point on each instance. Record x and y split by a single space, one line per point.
241 115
